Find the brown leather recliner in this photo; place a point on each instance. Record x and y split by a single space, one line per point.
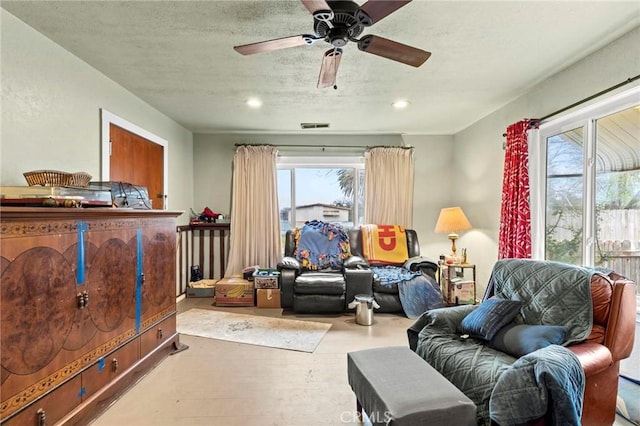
540 286
611 340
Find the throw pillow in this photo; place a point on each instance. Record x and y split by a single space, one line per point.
521 339
489 317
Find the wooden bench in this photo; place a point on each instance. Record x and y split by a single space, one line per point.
394 386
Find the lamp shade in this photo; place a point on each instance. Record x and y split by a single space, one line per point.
452 220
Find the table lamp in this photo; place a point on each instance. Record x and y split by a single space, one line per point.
451 221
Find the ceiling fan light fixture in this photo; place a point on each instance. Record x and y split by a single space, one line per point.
400 104
337 22
254 103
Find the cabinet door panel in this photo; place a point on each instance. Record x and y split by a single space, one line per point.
111 276
38 297
111 286
38 307
159 268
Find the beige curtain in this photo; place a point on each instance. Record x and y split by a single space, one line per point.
389 186
255 223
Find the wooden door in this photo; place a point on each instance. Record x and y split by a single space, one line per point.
137 161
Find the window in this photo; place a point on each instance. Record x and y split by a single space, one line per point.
329 189
564 197
585 191
586 186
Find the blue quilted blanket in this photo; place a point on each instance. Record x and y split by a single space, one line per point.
418 292
551 292
505 390
549 380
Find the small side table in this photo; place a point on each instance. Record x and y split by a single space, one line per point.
458 283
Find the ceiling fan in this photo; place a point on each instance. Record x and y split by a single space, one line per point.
338 22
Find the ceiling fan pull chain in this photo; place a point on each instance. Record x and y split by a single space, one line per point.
335 66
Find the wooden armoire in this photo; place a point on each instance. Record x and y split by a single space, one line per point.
87 307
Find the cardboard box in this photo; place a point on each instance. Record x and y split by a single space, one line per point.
465 293
268 298
234 291
266 278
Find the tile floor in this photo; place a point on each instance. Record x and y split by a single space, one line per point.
224 383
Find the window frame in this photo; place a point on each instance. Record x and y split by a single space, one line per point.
586 118
290 162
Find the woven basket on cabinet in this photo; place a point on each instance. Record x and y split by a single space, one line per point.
56 178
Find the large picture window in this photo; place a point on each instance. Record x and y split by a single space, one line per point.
587 187
322 188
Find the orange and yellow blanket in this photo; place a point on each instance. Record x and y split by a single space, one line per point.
385 244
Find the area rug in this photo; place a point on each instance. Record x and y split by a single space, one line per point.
303 336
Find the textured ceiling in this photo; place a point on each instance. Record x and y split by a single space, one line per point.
178 56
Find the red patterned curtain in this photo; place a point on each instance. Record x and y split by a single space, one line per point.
515 216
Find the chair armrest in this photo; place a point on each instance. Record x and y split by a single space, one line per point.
287 280
621 326
289 262
422 264
355 262
445 320
593 357
289 268
358 281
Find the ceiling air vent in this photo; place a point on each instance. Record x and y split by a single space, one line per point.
314 125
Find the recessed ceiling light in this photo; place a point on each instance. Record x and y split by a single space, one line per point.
402 104
254 103
314 125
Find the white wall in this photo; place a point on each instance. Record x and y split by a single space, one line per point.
479 157
433 189
212 172
51 103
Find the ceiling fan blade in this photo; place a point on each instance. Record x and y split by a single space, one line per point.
315 5
374 10
393 50
275 44
329 68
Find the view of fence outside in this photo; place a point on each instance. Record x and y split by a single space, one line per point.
617 243
613 189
